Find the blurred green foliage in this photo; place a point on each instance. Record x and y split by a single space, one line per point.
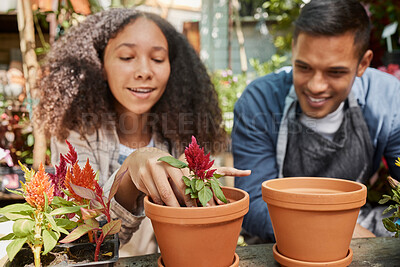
230 86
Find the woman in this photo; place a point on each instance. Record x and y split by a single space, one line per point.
125 88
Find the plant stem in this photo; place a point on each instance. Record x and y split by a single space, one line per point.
36 254
98 244
37 245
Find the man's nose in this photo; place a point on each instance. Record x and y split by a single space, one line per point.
317 84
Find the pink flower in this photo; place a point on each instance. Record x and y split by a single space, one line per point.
198 162
393 69
5 155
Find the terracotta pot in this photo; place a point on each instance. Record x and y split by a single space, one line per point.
313 218
201 236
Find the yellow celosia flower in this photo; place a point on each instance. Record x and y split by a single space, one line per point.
397 162
36 187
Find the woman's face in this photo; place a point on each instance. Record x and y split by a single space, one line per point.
137 67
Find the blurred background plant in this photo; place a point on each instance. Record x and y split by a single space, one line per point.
230 86
16 134
393 69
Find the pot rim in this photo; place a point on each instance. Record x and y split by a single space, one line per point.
232 210
326 191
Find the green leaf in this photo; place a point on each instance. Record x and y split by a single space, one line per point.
385 198
10 236
3 219
216 175
16 216
23 227
186 181
389 225
188 191
59 201
77 233
90 213
92 223
194 195
14 208
83 192
193 185
96 205
199 184
65 223
218 191
389 209
18 192
205 195
46 202
112 227
15 246
54 225
173 162
49 240
65 210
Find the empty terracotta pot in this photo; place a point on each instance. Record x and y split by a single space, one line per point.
201 236
313 218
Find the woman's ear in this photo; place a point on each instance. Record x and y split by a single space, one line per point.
104 74
364 62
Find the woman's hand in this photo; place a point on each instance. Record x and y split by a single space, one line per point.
160 181
157 179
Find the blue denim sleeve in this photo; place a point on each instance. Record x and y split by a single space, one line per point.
253 144
392 150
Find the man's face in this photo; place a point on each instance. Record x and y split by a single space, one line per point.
324 69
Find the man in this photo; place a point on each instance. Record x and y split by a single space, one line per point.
329 116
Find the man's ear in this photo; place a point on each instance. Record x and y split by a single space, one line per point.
364 62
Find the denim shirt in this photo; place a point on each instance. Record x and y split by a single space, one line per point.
258 116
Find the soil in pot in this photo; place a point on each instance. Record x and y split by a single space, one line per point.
70 255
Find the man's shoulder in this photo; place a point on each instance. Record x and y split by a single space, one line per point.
269 89
374 82
275 81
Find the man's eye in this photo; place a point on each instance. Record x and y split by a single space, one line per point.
337 72
302 67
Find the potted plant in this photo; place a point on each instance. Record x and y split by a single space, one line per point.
313 219
392 223
214 230
65 203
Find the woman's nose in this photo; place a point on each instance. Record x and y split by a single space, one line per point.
317 84
143 70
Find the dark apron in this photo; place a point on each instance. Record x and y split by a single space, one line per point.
349 155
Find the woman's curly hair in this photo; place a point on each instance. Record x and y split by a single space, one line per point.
74 94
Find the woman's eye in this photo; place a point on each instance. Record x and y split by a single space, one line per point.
125 58
158 60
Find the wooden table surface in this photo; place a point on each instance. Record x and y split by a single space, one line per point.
376 251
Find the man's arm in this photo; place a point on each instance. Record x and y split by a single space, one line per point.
254 148
392 149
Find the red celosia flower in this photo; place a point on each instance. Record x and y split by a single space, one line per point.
72 156
198 162
84 178
58 178
37 187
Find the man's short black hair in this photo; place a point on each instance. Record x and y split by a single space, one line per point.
333 18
